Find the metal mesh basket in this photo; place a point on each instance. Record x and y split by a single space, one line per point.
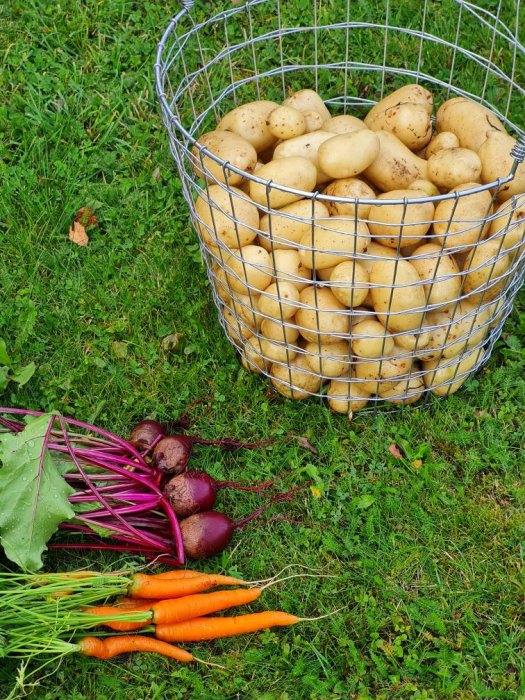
385 326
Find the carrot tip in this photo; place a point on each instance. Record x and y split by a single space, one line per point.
209 663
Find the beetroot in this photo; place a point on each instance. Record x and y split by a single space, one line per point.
171 454
145 433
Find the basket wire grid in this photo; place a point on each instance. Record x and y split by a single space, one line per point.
263 50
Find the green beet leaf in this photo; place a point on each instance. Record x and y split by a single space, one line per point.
33 495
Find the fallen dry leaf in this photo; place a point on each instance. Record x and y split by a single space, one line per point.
395 451
78 235
86 217
305 443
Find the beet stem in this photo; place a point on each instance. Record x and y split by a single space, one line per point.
276 499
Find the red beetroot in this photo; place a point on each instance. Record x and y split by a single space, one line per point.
145 433
171 454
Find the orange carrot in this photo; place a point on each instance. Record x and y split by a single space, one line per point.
114 612
144 586
135 603
112 646
177 574
202 628
178 610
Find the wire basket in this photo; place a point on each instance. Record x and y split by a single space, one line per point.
395 331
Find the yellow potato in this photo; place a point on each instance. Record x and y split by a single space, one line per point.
295 172
333 240
282 332
246 307
324 274
231 148
226 216
370 339
252 358
289 268
448 375
235 328
486 268
288 225
468 120
405 392
461 221
295 380
346 396
373 251
413 341
451 167
323 318
444 140
349 188
248 270
286 122
347 155
361 314
509 224
439 272
424 186
350 283
399 297
250 122
497 162
279 301
328 360
220 283
313 121
383 374
399 225
343 124
409 122
396 167
411 93
305 146
275 351
308 101
451 333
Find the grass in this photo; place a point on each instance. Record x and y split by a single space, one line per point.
427 549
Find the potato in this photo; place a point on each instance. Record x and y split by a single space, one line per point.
289 224
248 270
425 186
405 392
333 240
349 188
509 224
235 328
468 120
274 351
347 155
373 251
486 268
250 122
409 122
295 380
251 357
323 318
220 283
350 283
295 172
451 167
448 375
346 396
324 274
282 332
439 273
451 333
216 210
305 146
399 297
286 122
308 101
328 360
279 301
343 124
396 167
361 314
413 341
370 339
399 225
229 147
462 223
313 121
247 308
411 93
496 162
383 374
444 140
289 268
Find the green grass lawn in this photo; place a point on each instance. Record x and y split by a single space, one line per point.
425 552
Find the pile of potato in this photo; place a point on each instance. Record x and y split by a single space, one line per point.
378 299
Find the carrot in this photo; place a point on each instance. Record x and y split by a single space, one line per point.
202 628
144 586
135 603
178 610
113 646
121 625
177 574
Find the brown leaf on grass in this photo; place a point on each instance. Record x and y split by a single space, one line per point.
86 217
395 451
305 443
78 235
